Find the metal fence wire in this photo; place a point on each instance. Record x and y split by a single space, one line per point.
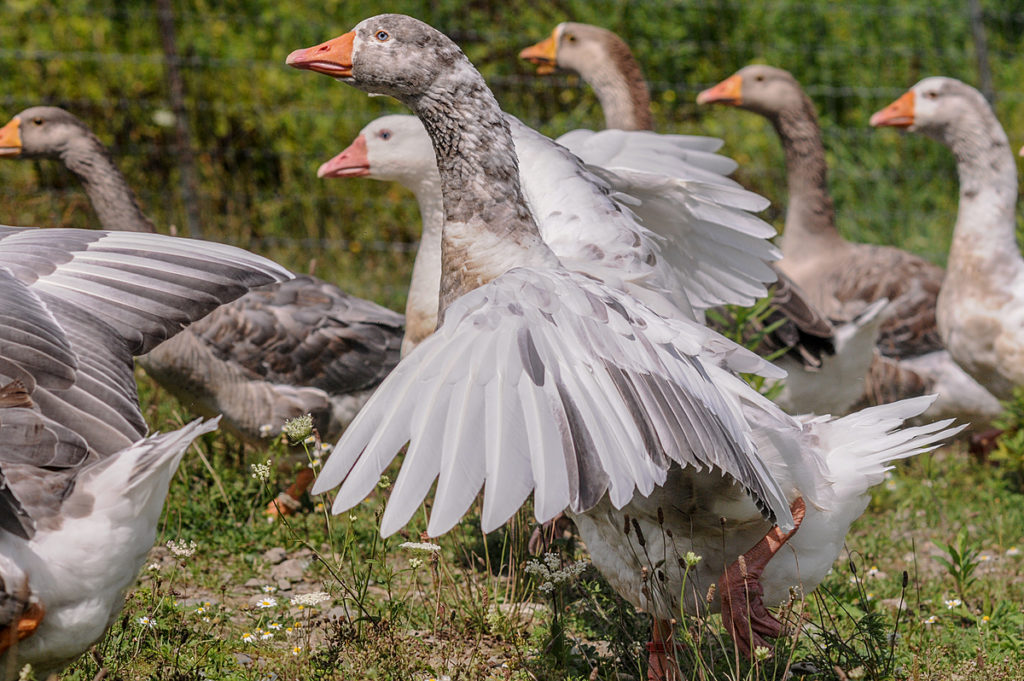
220 139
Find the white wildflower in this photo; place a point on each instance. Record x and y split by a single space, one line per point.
296 650
299 428
415 563
1013 551
423 546
248 637
181 549
266 602
153 567
762 653
551 573
873 571
26 673
276 626
266 430
268 589
147 621
261 471
931 620
953 603
312 598
691 559
266 635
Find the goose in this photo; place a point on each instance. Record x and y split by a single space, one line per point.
832 383
81 484
628 415
300 347
401 151
981 304
845 275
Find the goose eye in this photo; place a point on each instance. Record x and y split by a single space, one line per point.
932 94
759 78
384 135
37 121
382 36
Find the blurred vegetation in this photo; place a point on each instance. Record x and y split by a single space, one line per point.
260 129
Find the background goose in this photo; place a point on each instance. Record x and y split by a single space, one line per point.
303 346
619 403
830 381
80 487
844 276
981 305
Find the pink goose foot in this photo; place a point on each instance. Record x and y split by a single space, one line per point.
743 611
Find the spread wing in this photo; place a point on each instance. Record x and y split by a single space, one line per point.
547 381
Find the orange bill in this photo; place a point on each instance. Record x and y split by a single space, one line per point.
729 91
10 138
332 58
544 54
899 114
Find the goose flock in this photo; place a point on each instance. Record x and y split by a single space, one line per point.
556 342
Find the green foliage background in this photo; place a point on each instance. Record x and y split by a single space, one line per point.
260 129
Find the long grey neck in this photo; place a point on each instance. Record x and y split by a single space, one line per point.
984 239
111 197
810 217
621 89
488 228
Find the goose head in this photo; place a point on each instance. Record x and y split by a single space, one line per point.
760 88
940 108
44 132
389 54
392 148
574 47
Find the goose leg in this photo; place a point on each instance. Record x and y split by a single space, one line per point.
743 611
661 666
24 626
287 502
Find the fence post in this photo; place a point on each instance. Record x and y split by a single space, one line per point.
176 92
981 50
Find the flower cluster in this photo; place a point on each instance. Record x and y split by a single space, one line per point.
181 549
550 571
312 598
298 429
425 547
261 471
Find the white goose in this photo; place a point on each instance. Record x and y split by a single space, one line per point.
81 488
626 413
981 305
826 382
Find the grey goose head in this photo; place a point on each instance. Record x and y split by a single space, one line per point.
389 54
944 109
44 132
763 89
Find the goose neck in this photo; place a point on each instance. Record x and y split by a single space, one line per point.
810 214
488 228
108 191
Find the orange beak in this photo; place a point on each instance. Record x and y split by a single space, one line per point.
729 91
10 138
544 54
899 114
353 162
332 58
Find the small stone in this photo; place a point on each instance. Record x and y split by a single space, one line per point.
284 585
275 555
254 583
243 659
292 568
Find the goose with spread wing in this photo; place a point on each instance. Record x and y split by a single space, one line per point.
556 381
81 486
303 346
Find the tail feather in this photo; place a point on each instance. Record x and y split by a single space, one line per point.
861 447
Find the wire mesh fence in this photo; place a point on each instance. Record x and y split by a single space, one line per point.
256 131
